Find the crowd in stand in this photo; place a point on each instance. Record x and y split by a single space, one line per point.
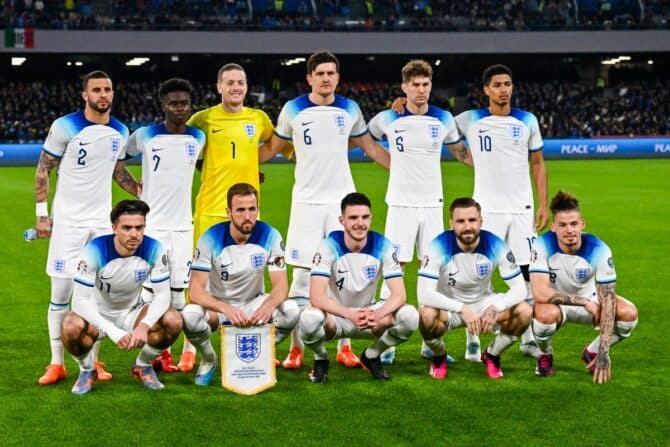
335 14
563 109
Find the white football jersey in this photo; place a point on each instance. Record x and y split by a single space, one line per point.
115 281
415 145
466 277
236 270
575 274
88 153
500 147
168 162
354 276
320 136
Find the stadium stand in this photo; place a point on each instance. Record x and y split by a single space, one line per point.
564 109
315 15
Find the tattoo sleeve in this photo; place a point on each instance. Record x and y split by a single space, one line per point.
46 163
568 300
607 299
125 178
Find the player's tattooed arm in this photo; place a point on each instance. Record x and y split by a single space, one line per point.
568 300
607 299
564 299
461 153
126 180
46 163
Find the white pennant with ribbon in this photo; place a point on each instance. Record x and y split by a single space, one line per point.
248 358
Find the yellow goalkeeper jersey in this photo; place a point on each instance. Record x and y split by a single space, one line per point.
230 155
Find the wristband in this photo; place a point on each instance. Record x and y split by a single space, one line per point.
41 209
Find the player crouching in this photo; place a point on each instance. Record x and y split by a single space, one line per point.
106 298
227 279
343 284
454 289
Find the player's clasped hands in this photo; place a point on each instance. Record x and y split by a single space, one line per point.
488 320
471 320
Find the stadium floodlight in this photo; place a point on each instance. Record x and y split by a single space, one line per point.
137 61
296 60
18 61
438 62
650 62
79 63
174 58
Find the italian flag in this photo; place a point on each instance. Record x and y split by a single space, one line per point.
19 38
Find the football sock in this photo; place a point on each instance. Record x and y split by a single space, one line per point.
436 345
61 289
543 334
147 355
622 330
501 342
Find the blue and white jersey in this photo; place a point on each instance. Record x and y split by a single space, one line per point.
466 277
575 274
500 146
116 281
415 145
88 153
236 270
320 136
168 163
354 276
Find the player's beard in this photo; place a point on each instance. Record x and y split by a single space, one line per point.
246 227
99 109
468 238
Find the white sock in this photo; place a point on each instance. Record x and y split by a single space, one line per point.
527 337
342 342
436 345
85 361
622 330
501 342
55 316
543 334
147 355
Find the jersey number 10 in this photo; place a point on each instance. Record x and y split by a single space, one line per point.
485 143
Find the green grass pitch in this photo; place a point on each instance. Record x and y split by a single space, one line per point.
625 202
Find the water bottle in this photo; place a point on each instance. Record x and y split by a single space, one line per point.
30 234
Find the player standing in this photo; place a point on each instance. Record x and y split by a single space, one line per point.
344 277
88 148
322 127
106 298
231 155
454 289
502 139
414 193
227 279
170 151
573 280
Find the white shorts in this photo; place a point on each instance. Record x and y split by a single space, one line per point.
66 248
345 328
455 319
123 320
178 245
249 308
410 226
517 230
308 225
